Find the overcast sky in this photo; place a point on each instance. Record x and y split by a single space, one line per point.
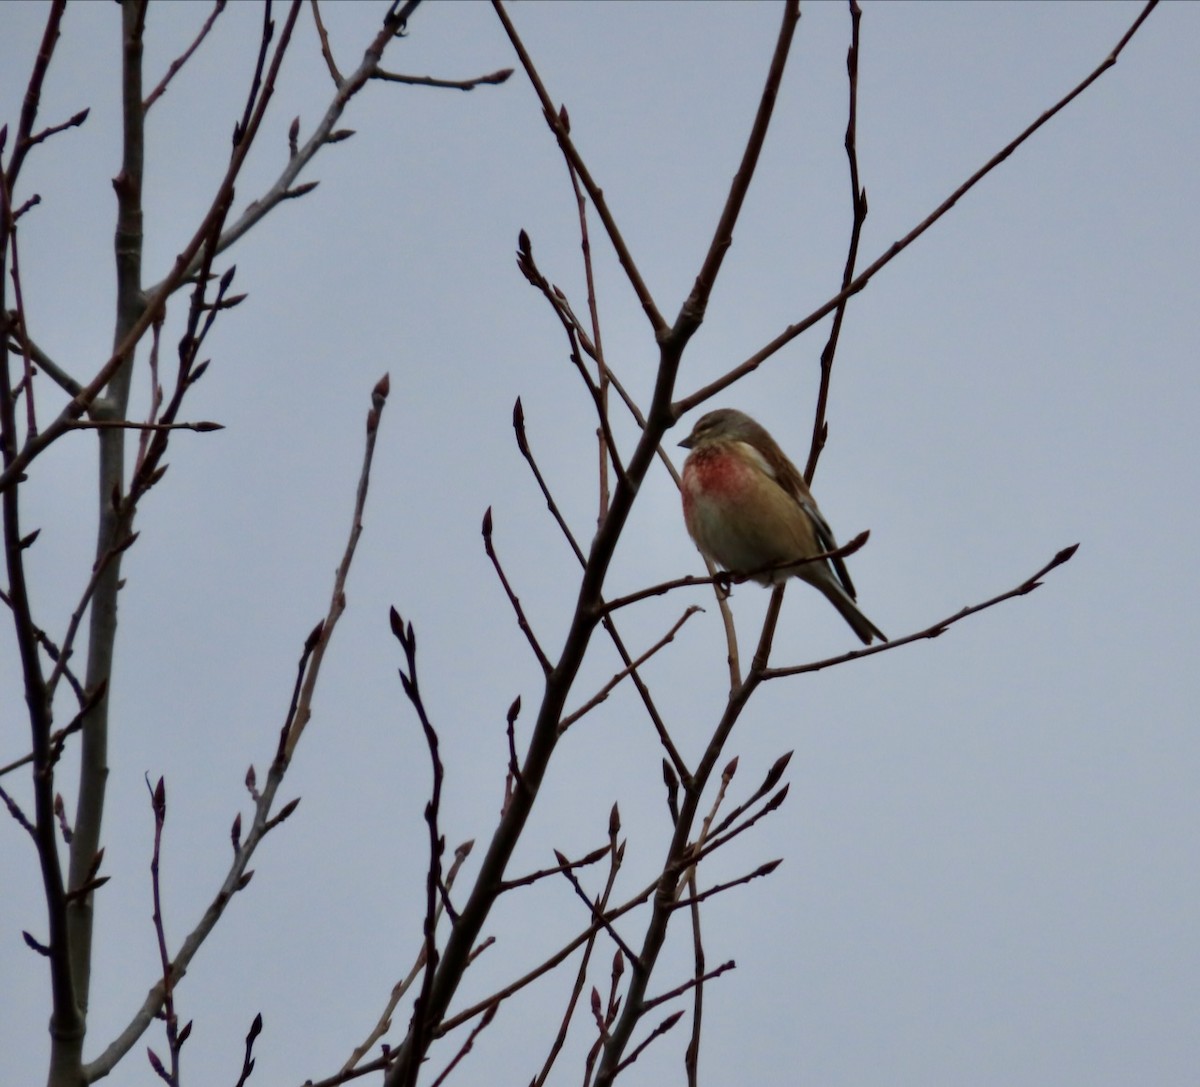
990 852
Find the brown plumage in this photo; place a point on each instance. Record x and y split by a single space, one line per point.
746 507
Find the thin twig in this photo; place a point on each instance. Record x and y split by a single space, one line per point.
44 362
607 689
74 121
181 60
602 381
723 578
337 599
59 737
595 909
384 1023
657 321
616 853
638 1050
468 1044
858 204
659 724
420 1023
761 870
248 1054
564 865
692 312
326 51
575 336
158 801
723 837
19 299
201 427
500 76
679 990
552 961
54 653
513 599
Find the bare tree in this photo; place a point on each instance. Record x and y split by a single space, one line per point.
42 401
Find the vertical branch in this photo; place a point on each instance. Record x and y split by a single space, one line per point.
127 244
858 202
175 1037
419 1028
589 601
66 1023
65 1020
602 379
680 860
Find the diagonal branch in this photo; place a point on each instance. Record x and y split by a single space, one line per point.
608 688
610 627
860 281
940 627
513 599
561 133
180 61
693 309
238 875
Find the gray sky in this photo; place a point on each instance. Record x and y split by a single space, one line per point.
990 844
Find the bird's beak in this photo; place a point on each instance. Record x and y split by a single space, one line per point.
687 442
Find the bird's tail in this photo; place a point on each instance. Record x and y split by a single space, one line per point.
840 599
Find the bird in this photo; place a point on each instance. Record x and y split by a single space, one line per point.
746 507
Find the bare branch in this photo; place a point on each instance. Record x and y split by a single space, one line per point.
679 990
607 689
181 60
74 121
858 204
609 626
156 298
575 335
326 51
551 962
940 627
761 870
14 809
337 600
25 345
420 1024
248 1057
551 505
657 321
467 1045
562 867
724 579
384 1023
522 621
692 312
594 908
616 854
657 1032
238 875
202 427
500 76
685 404
33 94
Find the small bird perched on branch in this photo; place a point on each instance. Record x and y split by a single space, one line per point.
748 508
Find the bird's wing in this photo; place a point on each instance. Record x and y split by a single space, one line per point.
791 481
828 543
